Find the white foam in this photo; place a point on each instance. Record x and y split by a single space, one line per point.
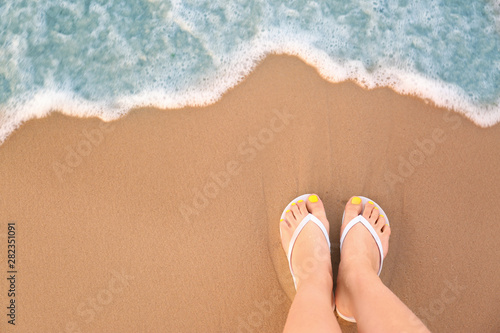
42 103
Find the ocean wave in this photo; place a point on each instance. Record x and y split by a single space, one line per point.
103 58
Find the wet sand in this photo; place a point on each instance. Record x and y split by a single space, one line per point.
167 220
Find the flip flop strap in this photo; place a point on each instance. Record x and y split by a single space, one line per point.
305 220
362 220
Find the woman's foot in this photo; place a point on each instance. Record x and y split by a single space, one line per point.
360 256
311 261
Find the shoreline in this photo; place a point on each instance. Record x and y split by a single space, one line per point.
186 204
431 91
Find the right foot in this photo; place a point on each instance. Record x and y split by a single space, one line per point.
311 254
360 254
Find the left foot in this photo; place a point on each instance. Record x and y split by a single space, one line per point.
311 254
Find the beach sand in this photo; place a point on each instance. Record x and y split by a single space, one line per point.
167 220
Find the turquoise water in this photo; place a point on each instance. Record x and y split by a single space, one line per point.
100 58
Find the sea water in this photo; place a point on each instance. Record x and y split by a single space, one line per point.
104 57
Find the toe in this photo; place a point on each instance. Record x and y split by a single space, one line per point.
379 223
382 225
284 226
315 206
296 211
301 205
374 215
290 218
367 211
352 209
384 233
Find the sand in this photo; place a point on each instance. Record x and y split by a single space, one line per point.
167 220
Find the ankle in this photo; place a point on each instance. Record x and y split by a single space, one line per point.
356 272
323 281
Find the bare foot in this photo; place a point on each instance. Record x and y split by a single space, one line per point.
311 254
360 254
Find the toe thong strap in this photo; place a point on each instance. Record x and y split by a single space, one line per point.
362 220
305 220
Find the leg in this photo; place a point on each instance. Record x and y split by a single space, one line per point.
312 310
360 292
312 307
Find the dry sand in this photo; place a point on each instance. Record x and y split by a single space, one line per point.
167 221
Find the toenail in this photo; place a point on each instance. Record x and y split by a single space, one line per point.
288 211
300 200
293 203
371 202
281 220
376 207
313 198
356 200
381 215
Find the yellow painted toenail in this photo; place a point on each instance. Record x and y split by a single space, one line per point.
371 202
300 200
381 215
281 220
376 207
356 200
288 211
313 198
293 203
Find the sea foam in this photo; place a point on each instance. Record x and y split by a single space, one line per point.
103 58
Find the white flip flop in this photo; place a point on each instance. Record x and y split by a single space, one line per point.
362 220
305 220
